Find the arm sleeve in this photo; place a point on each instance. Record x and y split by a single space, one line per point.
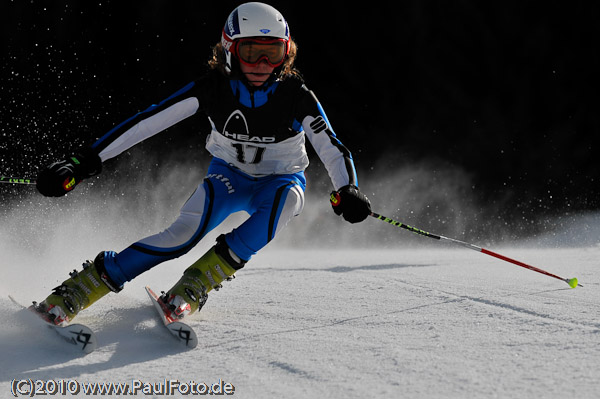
147 123
334 155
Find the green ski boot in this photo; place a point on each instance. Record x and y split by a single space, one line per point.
76 293
206 274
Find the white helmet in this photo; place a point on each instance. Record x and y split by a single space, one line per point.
252 20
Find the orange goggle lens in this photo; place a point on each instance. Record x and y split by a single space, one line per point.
253 51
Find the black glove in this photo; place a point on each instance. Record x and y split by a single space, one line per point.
61 177
349 202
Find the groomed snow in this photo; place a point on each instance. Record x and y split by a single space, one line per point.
407 323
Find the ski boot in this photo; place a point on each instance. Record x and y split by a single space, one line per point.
207 273
76 293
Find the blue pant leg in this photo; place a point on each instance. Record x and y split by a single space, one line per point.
275 202
212 202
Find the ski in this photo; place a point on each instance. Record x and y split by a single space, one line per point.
75 334
179 330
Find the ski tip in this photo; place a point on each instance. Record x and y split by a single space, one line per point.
150 292
13 300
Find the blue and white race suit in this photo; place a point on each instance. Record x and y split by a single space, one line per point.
259 157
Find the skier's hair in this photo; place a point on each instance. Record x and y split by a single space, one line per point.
217 61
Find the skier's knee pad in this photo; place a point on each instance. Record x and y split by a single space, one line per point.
294 201
292 207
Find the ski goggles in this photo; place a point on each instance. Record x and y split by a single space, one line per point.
252 51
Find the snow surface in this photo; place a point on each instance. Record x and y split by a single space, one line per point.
350 324
414 318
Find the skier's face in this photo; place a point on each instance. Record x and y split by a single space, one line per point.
257 74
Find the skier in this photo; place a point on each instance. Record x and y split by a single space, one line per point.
260 112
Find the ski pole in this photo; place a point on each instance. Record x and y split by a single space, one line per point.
571 281
15 180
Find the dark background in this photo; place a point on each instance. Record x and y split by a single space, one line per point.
505 91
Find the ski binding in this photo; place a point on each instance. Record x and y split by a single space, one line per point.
178 329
